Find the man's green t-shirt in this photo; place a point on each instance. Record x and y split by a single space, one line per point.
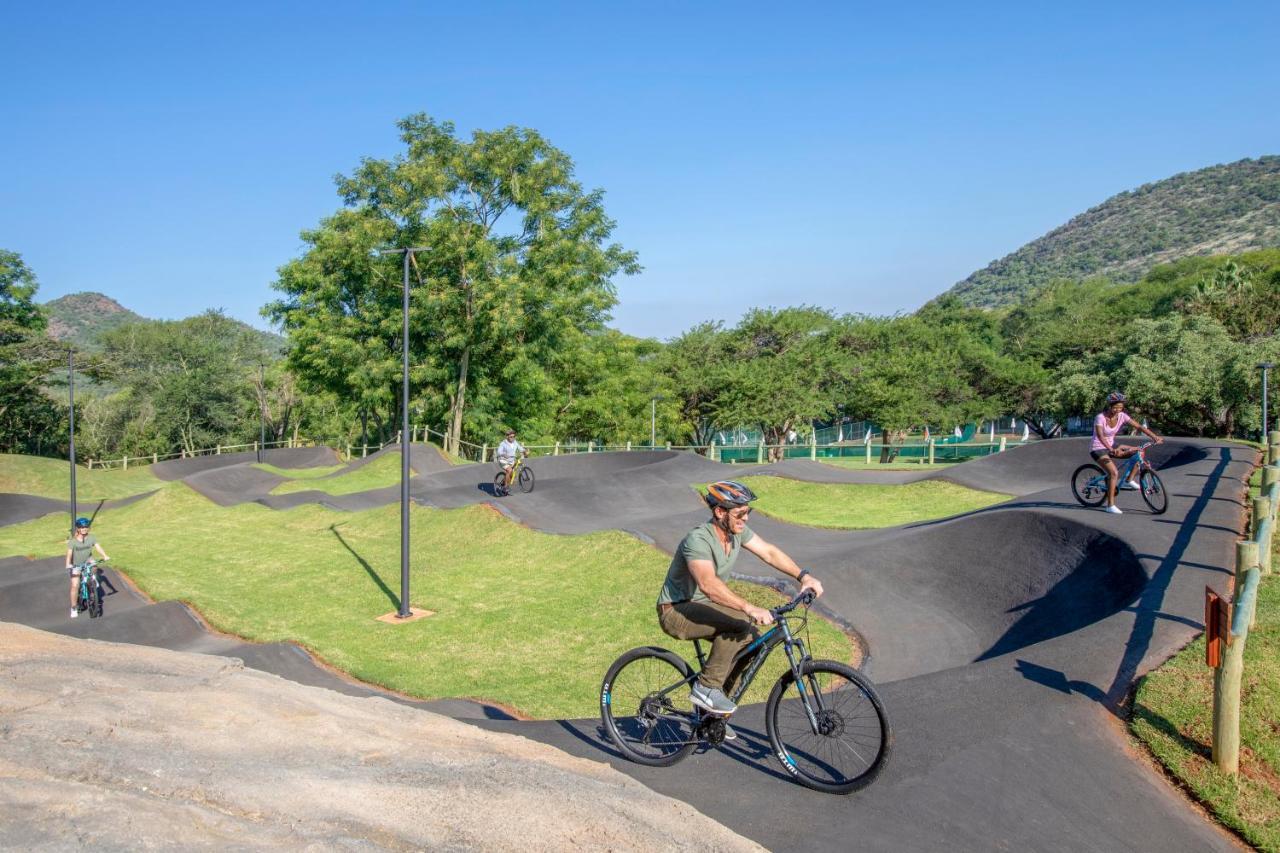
81 551
700 544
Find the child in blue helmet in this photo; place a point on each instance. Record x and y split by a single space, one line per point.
80 548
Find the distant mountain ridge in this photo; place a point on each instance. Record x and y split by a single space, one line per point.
1224 209
81 318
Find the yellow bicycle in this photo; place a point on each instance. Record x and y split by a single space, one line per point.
520 475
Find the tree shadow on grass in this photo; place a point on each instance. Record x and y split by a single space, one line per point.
391 596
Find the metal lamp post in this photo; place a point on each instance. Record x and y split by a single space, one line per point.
1265 366
262 414
404 612
71 400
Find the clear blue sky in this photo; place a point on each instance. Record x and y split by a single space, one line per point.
844 155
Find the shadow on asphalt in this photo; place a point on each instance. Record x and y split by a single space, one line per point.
1147 611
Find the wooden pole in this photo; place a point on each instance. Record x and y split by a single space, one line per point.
1262 532
1226 681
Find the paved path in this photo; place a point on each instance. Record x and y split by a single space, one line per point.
1004 642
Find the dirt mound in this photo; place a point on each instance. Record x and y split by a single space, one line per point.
134 747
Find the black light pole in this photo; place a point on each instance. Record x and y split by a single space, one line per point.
262 414
71 396
1266 366
404 612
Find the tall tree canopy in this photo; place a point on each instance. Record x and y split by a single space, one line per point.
518 271
30 421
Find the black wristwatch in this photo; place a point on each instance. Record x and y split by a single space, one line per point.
802 574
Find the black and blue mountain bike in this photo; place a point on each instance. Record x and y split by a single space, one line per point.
89 595
826 725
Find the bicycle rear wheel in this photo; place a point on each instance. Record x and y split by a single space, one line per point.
647 725
1153 492
852 741
526 480
1086 485
500 484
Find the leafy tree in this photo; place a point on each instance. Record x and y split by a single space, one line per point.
1185 374
519 270
940 366
782 370
185 383
695 363
613 390
29 418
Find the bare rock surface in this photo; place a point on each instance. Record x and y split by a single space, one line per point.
127 747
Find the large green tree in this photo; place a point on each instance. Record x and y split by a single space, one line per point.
30 421
186 384
518 270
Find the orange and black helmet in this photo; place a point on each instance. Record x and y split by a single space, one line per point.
728 494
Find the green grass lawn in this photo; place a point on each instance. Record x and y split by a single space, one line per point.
860 464
527 619
1173 716
299 473
855 505
51 478
381 472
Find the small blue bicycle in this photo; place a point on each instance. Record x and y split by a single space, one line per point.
1089 482
89 596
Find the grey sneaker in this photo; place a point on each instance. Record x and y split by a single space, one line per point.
711 699
729 733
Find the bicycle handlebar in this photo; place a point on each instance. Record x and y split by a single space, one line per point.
803 599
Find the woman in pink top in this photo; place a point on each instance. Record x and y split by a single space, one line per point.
1106 426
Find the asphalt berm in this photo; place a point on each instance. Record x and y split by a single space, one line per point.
1004 641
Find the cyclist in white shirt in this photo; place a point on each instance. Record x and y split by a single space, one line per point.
508 451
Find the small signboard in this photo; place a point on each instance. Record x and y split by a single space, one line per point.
1217 627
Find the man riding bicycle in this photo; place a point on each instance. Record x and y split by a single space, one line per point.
508 450
79 549
696 604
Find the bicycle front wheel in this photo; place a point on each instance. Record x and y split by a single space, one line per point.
1153 492
1089 483
500 483
526 480
645 708
850 743
95 599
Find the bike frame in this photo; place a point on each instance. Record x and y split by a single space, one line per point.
1139 458
87 573
761 647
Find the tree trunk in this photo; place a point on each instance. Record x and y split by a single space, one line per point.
459 402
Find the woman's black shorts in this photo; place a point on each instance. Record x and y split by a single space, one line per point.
1099 455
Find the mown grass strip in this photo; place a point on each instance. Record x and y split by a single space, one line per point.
1173 716
380 473
527 619
51 478
858 506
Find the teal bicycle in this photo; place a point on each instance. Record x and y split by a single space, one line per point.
89 595
1089 482
826 725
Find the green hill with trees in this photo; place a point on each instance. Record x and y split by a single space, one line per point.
80 318
1221 210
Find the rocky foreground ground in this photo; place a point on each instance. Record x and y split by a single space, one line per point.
127 747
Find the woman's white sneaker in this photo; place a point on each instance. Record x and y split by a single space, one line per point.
1114 510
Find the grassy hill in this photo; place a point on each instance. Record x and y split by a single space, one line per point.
80 318
1225 209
